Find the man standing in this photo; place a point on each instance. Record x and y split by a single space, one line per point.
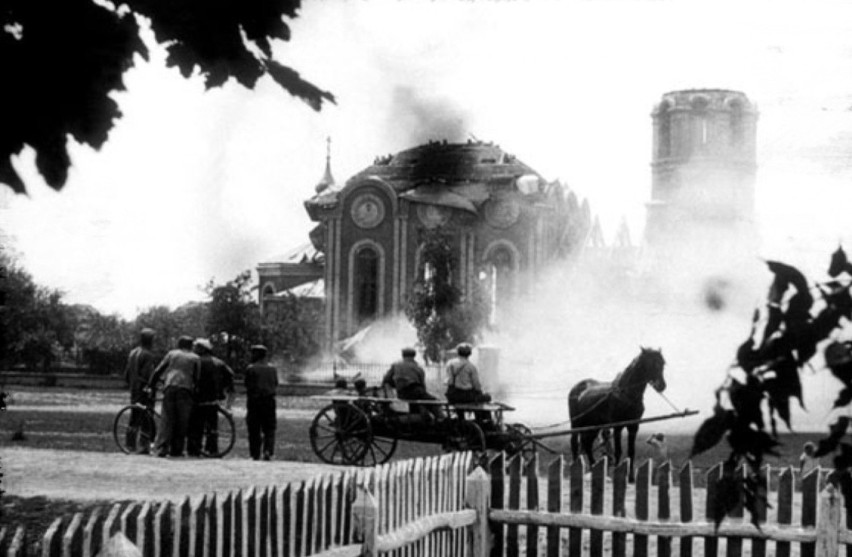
463 378
261 384
140 365
215 383
409 380
181 367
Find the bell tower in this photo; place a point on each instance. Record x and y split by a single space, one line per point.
703 172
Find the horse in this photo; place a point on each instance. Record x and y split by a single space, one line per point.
597 403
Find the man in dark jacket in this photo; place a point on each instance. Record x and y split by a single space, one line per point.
215 383
409 380
140 365
261 384
181 370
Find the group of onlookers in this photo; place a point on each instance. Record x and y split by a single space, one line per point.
195 382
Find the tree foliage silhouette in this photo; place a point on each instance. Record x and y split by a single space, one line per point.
61 61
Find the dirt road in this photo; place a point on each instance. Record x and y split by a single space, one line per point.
85 475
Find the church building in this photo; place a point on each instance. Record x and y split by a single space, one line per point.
506 221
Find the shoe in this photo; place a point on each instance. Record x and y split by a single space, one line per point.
267 456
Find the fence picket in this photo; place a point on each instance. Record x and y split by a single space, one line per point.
664 512
686 506
127 523
758 546
228 525
72 539
497 468
619 505
597 505
274 521
262 523
211 539
785 508
288 539
735 543
198 526
144 524
240 525
92 533
810 501
643 506
531 474
111 523
299 516
512 549
163 533
555 473
251 534
417 507
575 505
184 532
711 543
52 540
328 514
16 546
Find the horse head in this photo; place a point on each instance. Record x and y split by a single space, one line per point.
653 363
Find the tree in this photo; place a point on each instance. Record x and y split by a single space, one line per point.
291 327
233 318
63 60
436 307
36 326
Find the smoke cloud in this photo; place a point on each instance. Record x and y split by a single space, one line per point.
415 118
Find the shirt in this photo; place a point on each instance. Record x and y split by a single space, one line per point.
261 380
462 374
140 366
181 368
215 379
405 373
807 463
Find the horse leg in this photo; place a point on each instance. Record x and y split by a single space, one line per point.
631 448
575 446
589 445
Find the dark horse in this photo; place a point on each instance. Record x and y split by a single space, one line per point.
593 403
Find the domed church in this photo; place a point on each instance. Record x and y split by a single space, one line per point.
507 223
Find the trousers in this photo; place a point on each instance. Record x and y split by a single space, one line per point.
176 411
261 422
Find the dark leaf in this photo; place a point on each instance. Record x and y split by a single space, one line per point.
843 398
290 80
839 263
836 432
746 400
711 431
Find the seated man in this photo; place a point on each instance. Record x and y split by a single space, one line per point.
463 384
409 380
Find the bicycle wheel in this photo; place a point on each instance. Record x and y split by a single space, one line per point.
219 436
134 429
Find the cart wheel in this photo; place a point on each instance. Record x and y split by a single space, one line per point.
381 449
134 429
465 436
520 442
219 440
341 434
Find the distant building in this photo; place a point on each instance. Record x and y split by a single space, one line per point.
703 171
507 221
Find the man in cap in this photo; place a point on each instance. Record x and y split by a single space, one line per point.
140 365
463 383
409 380
261 384
215 383
181 368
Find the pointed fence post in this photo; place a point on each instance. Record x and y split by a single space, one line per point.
828 523
478 498
365 515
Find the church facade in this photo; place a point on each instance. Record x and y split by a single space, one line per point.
506 223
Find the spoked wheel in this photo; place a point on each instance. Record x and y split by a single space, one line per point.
134 429
218 438
465 436
520 442
381 449
341 434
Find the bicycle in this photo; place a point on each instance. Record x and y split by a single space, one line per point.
136 425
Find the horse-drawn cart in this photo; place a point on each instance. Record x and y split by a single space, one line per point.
364 431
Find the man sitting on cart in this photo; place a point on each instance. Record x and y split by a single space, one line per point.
409 380
463 385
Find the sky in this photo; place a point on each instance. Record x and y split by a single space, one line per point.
196 184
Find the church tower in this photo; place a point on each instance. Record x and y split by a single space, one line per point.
703 172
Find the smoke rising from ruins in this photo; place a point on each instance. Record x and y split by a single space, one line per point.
415 118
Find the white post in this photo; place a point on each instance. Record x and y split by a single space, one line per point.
828 523
365 513
478 498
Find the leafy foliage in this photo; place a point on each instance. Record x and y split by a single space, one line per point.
291 328
766 376
233 319
66 59
436 307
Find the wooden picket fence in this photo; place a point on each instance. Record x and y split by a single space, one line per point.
439 507
415 503
603 509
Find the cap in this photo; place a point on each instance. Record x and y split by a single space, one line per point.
409 351
204 343
464 349
146 332
259 348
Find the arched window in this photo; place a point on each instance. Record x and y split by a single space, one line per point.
499 273
664 141
737 128
700 130
366 277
